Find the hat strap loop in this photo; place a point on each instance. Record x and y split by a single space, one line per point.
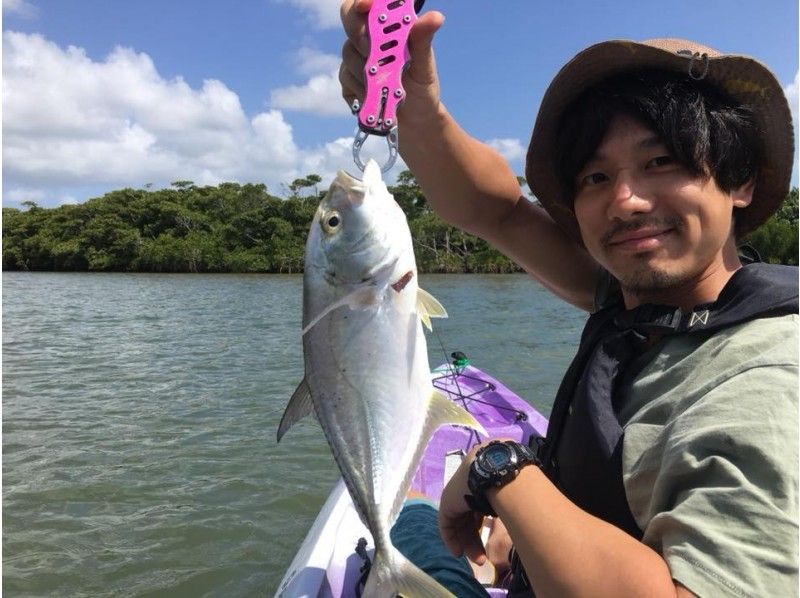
692 74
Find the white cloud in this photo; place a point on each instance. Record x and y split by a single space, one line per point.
73 122
324 14
510 149
313 62
321 94
18 195
21 8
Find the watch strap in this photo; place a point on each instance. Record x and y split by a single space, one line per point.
480 504
477 500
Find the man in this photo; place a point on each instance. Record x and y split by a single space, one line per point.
670 466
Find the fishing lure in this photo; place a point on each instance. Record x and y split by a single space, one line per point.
388 24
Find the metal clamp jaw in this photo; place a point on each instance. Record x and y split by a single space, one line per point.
388 25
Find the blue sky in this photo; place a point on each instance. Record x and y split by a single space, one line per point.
103 94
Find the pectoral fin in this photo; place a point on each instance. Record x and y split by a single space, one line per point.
359 298
442 410
429 307
299 406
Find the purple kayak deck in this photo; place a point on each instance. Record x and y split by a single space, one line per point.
502 413
326 565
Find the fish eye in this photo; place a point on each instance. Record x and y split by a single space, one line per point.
331 221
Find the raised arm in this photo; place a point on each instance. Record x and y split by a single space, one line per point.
465 181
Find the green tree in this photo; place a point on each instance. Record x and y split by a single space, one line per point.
408 194
777 239
108 243
311 180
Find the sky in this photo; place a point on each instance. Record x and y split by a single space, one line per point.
105 94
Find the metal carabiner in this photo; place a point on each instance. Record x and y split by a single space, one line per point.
391 141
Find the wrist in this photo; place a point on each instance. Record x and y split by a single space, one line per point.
501 497
422 126
496 465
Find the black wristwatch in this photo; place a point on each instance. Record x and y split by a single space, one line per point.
495 464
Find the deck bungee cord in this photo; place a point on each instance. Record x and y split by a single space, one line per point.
454 371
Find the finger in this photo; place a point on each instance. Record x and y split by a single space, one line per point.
348 8
420 46
451 540
450 530
352 87
460 533
351 73
353 59
354 21
473 548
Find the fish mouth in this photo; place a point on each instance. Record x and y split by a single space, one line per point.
351 187
346 179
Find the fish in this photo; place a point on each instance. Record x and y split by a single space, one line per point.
367 377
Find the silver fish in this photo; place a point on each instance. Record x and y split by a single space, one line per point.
367 377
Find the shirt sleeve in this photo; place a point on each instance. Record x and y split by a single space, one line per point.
722 486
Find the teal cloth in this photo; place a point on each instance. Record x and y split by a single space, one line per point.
416 536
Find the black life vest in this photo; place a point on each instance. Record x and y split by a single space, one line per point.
582 453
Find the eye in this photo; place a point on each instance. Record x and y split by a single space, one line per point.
594 178
331 221
660 161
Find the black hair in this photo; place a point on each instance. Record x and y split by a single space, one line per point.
704 130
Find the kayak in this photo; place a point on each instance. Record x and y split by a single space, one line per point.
329 562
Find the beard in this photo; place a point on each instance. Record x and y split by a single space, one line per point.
645 280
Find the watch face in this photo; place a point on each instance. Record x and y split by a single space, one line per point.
497 456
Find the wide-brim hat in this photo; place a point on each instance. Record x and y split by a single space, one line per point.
743 78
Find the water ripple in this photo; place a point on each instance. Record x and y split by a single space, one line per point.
139 420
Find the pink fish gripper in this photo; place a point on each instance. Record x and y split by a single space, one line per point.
388 24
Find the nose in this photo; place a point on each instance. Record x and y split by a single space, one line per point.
629 197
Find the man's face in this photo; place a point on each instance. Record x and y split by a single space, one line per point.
664 233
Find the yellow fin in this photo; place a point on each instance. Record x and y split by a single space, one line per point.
429 307
444 411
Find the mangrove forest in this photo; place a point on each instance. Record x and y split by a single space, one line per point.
235 227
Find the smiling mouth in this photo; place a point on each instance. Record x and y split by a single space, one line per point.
638 236
641 234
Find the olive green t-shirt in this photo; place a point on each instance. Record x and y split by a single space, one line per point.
710 457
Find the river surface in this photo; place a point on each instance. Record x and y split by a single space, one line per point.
140 413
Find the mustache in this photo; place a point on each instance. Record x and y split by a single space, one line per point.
643 222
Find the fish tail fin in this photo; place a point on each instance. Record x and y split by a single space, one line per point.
392 575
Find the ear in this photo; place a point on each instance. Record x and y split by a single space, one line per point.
742 196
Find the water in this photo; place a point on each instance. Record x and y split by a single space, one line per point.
140 412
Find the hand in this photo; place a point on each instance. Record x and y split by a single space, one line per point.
459 526
420 79
498 546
